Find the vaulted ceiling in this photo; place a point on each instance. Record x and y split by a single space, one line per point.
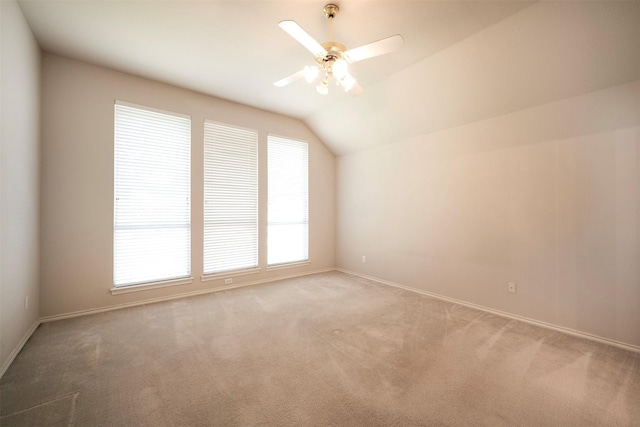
463 61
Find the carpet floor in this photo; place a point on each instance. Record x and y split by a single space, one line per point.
326 349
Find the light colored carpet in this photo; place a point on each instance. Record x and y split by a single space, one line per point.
326 349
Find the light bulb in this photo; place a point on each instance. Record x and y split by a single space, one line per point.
323 88
310 73
339 69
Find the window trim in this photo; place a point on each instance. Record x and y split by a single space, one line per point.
150 285
286 265
230 273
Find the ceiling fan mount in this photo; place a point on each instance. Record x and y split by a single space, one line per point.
333 57
331 10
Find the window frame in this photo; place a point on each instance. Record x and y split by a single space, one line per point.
278 139
183 142
249 268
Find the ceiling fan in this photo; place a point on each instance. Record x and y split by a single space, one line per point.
333 58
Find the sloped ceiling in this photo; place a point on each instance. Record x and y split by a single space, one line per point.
463 60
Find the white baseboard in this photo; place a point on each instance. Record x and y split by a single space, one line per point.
562 329
18 347
176 296
542 324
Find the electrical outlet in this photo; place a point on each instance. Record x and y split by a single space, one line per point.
511 287
26 302
228 281
364 258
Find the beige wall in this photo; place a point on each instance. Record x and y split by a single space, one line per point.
77 176
19 185
547 197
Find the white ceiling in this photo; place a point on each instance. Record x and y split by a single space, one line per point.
463 60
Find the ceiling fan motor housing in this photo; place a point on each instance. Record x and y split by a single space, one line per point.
335 51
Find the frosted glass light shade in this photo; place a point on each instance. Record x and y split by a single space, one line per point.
310 73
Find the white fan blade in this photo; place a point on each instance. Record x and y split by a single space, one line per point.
370 50
350 84
356 90
292 78
296 31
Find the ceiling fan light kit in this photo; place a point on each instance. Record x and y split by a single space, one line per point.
333 58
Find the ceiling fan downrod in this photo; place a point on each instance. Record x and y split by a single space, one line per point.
334 51
330 11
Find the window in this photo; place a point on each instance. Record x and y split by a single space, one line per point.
230 198
287 216
152 218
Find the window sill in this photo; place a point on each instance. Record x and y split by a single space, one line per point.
288 265
227 274
149 286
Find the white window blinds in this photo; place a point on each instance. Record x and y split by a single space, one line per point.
230 198
152 230
288 201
